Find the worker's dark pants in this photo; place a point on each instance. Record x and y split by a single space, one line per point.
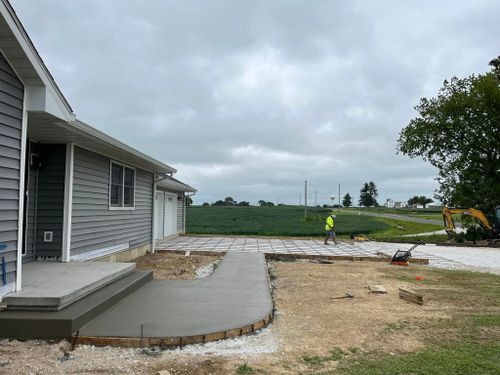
330 234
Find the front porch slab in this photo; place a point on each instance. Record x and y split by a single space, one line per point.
53 285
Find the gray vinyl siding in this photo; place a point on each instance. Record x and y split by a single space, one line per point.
11 110
94 225
180 213
50 200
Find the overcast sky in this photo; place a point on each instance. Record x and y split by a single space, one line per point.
251 98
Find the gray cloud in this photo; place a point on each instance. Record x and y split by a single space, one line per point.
248 99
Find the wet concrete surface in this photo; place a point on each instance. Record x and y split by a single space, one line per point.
235 295
55 285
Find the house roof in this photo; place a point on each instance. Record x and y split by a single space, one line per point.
51 118
45 128
170 183
21 53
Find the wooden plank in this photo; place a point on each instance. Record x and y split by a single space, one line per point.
284 256
165 342
377 289
411 296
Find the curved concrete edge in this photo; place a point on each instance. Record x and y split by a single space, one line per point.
172 342
239 327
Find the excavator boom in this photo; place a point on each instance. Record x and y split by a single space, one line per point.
478 215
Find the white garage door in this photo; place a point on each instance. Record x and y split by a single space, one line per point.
160 214
170 221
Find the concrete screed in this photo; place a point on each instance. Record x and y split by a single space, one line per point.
235 295
448 257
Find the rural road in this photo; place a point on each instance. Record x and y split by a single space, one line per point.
404 218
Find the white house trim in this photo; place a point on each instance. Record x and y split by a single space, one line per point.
68 203
100 253
22 193
55 102
122 208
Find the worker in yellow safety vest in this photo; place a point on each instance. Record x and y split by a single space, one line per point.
330 229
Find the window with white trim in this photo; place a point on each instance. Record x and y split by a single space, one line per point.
122 186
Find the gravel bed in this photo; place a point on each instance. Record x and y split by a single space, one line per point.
263 341
206 270
455 257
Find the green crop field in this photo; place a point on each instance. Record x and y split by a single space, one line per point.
289 221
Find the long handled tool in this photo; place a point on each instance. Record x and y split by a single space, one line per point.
347 295
402 256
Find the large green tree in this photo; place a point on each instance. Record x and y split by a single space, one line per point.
458 132
347 200
368 195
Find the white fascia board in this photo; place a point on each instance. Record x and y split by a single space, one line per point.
54 103
176 185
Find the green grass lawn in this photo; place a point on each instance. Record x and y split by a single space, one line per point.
468 342
290 221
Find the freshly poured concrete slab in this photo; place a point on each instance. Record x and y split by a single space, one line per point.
64 323
54 285
235 295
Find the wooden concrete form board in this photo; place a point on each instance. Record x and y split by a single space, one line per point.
169 342
234 300
411 296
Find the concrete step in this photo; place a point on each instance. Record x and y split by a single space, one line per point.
64 323
52 286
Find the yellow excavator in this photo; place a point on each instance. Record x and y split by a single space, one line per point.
493 230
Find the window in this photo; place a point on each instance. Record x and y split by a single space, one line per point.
122 186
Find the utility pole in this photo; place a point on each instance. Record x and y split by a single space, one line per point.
339 195
315 198
305 199
300 199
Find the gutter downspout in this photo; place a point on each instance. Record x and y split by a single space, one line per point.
154 229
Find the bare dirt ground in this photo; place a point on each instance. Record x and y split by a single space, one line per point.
309 326
175 266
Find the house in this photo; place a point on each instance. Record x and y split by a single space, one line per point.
417 205
69 192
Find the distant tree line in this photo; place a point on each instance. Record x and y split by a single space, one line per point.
229 201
